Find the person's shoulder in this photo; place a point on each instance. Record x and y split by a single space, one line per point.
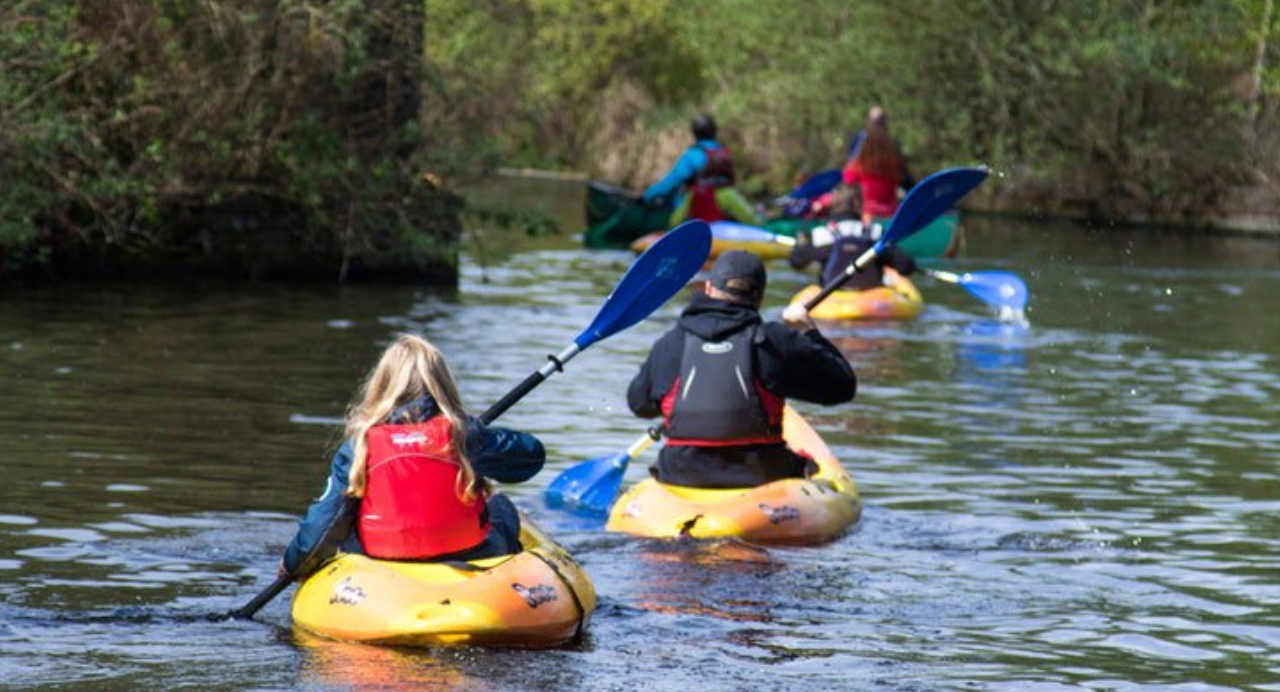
342 456
674 334
778 332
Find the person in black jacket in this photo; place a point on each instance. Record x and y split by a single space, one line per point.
841 252
720 379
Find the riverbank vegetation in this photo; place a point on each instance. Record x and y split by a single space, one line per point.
247 136
295 136
1136 109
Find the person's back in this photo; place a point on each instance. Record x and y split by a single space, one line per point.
414 463
702 181
835 256
721 378
878 171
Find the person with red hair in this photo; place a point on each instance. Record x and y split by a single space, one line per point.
878 170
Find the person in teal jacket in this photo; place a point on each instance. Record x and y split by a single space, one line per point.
701 183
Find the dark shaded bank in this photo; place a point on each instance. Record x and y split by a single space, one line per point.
247 138
259 238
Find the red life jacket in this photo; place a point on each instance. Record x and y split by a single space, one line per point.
717 173
411 509
716 400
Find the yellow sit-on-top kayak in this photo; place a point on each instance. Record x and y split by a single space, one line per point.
788 512
898 299
537 598
728 235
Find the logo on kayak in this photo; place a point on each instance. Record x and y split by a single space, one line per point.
778 515
535 595
716 348
347 592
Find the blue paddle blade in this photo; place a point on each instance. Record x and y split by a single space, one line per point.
590 486
817 184
928 200
1003 289
651 280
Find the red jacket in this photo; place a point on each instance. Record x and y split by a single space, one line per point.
411 509
879 193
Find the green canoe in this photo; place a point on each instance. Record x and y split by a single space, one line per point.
616 217
941 238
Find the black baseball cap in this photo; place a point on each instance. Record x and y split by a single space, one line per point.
740 274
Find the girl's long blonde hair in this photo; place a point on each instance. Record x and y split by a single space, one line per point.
410 368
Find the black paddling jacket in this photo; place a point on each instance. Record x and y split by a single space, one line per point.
789 365
835 257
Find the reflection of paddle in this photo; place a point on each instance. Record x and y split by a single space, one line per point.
1001 289
593 485
651 280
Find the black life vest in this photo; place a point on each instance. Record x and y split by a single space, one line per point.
845 250
717 400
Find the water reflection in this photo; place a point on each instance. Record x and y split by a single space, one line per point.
1085 503
726 579
365 668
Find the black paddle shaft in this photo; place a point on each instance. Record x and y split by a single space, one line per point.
554 364
337 531
835 284
249 609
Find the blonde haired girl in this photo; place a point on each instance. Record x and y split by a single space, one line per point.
407 478
410 369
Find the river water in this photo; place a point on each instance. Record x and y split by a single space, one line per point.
1090 501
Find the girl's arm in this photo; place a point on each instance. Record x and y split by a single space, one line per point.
505 455
323 511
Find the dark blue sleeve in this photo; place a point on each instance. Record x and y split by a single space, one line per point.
506 456
322 512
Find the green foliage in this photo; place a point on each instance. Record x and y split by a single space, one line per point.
128 125
126 132
520 80
1127 107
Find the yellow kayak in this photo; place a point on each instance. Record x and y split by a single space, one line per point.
537 598
898 299
728 235
788 512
